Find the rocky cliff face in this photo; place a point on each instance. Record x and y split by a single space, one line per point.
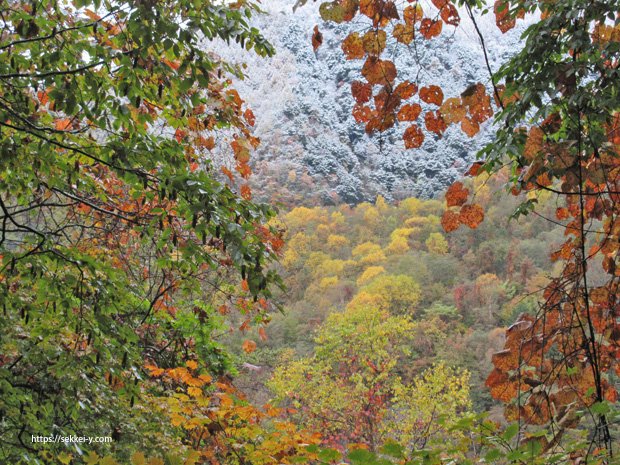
313 151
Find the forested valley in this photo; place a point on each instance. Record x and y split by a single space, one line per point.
216 251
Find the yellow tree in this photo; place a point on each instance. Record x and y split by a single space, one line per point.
351 390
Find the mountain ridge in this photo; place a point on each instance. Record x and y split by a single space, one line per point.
312 150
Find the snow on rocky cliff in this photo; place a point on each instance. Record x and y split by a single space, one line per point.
313 149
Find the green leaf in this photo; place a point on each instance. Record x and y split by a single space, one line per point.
510 431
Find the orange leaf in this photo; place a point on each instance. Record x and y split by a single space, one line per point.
246 192
43 97
62 124
434 122
386 101
361 91
504 21
450 221
362 113
403 33
430 28
262 334
469 127
228 173
475 168
317 38
471 215
413 14
432 94
241 149
450 15
439 4
452 110
353 47
534 143
206 142
244 170
409 112
249 117
406 90
600 295
381 72
92 15
501 387
249 346
456 195
413 137
179 134
173 64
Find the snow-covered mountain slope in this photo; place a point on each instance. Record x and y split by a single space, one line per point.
313 150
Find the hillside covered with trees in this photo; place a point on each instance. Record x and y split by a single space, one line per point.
169 298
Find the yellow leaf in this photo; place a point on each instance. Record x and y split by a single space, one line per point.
138 458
